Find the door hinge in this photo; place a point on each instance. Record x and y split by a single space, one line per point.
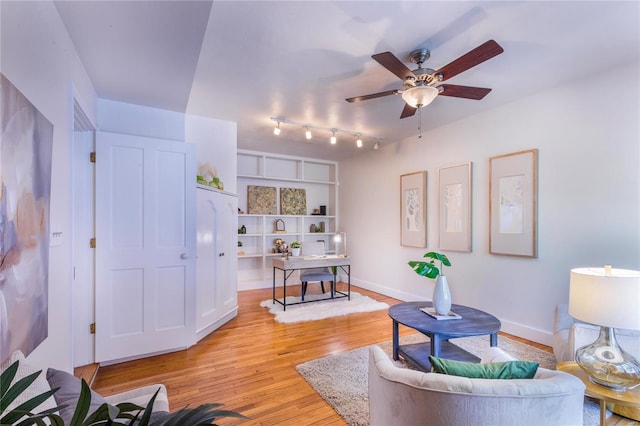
92 157
92 243
92 328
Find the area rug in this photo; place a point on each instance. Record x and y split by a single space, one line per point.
322 309
345 388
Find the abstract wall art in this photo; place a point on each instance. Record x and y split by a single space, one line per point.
25 188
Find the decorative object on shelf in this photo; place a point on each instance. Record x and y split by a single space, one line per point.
454 197
441 295
208 175
323 210
513 197
293 201
609 298
240 244
413 209
242 230
279 227
281 246
240 211
315 212
261 199
313 228
295 248
340 243
321 227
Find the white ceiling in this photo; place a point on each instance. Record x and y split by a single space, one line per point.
247 61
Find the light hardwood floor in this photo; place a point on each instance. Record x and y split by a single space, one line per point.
249 364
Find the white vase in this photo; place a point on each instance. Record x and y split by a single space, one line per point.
441 296
295 251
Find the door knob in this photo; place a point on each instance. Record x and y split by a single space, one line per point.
184 256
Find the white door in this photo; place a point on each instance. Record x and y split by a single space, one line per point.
217 246
145 246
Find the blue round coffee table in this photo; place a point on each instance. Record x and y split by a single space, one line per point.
474 322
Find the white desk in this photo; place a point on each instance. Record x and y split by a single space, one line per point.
288 265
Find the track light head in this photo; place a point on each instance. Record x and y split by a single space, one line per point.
359 142
333 137
307 134
376 146
276 130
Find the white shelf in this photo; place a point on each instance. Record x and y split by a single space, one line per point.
319 179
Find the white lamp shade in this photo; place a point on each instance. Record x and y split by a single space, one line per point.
420 95
609 299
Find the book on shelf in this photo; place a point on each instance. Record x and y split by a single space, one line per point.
432 313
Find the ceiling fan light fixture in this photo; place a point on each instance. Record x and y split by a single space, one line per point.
419 96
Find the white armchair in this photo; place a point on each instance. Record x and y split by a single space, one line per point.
407 397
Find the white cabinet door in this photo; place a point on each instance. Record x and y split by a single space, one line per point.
145 251
216 269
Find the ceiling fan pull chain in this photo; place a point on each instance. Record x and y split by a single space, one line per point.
419 123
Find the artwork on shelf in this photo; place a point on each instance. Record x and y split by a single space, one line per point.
25 188
513 197
261 199
454 197
413 209
293 201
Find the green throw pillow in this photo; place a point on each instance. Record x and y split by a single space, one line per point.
494 370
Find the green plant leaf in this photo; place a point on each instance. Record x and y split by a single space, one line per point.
425 269
5 380
438 256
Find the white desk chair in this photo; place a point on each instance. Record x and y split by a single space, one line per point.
315 274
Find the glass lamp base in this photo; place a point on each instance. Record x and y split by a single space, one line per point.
607 364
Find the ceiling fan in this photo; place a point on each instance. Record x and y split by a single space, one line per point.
420 84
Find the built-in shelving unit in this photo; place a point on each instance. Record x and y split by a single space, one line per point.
319 179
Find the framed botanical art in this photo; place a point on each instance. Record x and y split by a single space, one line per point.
261 199
413 209
293 201
454 199
513 195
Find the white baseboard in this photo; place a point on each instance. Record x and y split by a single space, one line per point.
204 332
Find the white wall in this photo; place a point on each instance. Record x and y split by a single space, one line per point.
40 60
215 140
588 200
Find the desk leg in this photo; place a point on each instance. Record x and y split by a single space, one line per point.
349 282
494 339
274 285
284 290
603 412
396 340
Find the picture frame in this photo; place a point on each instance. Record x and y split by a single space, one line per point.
413 209
293 201
280 226
261 199
454 207
513 198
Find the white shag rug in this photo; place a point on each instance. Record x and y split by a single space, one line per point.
321 309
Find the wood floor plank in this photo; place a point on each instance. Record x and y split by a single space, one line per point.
249 364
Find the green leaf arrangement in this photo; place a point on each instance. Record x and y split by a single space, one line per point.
428 268
126 414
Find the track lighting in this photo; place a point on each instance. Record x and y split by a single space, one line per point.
376 146
334 131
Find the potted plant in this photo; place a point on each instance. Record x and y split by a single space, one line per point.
121 414
441 295
295 248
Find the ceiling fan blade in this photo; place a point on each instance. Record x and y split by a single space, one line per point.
372 96
470 59
408 111
393 64
466 92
